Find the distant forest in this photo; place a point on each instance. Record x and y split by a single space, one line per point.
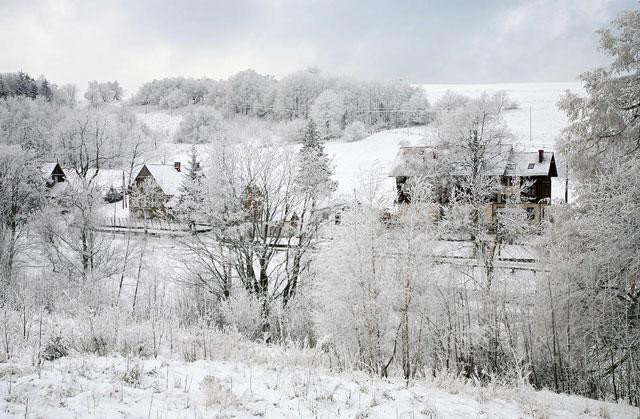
334 102
21 84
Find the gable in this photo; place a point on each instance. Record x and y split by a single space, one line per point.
142 174
52 172
164 175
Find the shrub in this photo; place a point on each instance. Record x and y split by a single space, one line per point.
202 125
243 312
355 131
291 131
217 393
54 349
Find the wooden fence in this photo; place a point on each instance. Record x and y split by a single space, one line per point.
156 224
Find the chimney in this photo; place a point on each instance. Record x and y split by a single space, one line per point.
176 165
540 156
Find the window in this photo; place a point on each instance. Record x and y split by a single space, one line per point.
531 165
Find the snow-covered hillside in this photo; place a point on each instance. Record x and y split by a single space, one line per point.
262 382
376 152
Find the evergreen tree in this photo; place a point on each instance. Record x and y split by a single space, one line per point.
26 86
3 88
315 186
191 191
314 175
44 89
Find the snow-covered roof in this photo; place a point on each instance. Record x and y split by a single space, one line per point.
526 163
167 177
411 161
504 161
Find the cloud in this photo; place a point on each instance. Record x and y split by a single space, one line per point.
543 39
435 41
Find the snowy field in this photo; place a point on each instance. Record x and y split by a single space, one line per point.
250 381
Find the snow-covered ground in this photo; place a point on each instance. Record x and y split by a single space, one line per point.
272 385
354 160
162 122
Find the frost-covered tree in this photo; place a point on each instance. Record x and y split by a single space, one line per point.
103 92
202 125
92 94
249 203
191 192
44 88
85 140
247 93
313 186
375 281
195 91
355 131
76 250
30 124
593 285
355 314
66 95
21 197
314 176
328 113
295 93
176 98
451 100
416 109
472 155
132 141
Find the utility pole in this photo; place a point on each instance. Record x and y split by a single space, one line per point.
530 137
566 178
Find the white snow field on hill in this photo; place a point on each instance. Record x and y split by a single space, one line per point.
256 381
541 98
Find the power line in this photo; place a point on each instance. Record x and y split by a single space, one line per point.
364 110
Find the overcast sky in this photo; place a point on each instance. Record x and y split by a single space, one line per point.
428 41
